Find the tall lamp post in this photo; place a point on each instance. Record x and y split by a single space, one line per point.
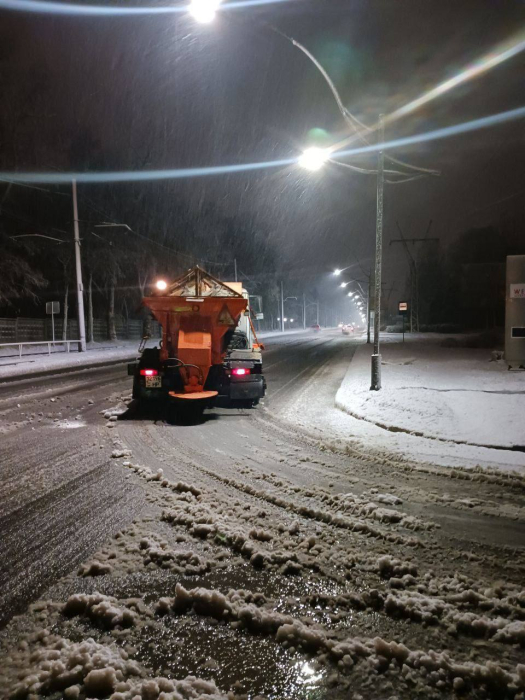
375 384
313 159
283 299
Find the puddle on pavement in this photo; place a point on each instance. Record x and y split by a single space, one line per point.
178 646
253 664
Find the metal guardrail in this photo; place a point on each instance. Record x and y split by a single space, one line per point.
49 343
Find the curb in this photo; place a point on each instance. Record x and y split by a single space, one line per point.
71 369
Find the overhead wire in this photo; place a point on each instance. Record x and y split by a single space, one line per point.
147 238
350 119
406 179
34 187
365 171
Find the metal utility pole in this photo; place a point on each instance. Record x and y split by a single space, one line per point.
235 266
368 310
376 357
80 288
282 308
304 311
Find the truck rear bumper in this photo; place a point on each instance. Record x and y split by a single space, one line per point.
251 387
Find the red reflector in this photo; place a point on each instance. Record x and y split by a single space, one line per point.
149 372
240 371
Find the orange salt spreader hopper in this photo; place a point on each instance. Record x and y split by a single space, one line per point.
195 312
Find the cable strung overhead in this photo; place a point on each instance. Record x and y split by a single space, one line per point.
178 173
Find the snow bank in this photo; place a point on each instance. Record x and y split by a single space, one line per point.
451 394
89 669
242 611
183 561
104 610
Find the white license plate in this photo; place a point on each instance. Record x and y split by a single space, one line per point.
153 382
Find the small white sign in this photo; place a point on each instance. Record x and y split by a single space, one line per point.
517 291
52 307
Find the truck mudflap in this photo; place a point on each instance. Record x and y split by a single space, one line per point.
250 387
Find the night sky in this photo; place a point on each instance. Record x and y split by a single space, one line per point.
162 92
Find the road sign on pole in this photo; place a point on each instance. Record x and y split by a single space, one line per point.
403 311
53 307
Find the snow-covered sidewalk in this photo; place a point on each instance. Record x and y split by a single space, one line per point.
35 360
451 394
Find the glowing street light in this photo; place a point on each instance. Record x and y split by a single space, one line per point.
314 158
204 11
344 284
161 285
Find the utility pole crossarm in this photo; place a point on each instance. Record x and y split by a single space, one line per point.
414 283
414 240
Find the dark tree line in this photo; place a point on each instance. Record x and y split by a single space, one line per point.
130 236
464 284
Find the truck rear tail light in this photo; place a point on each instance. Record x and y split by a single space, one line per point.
240 371
149 372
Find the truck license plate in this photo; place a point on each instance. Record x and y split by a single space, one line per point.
153 382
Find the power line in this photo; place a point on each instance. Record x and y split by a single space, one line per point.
37 235
365 171
32 223
350 119
189 256
34 187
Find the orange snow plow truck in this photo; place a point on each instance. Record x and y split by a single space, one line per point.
209 348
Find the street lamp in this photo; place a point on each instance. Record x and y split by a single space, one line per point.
161 285
204 11
344 284
314 158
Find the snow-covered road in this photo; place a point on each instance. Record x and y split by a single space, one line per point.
253 553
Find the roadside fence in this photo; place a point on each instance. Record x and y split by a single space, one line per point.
33 330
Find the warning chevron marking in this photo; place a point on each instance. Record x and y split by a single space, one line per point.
225 317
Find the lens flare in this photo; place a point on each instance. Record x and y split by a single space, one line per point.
172 174
502 53
67 8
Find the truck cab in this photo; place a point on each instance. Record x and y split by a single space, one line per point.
243 379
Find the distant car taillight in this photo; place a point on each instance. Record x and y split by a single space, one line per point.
240 371
149 372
